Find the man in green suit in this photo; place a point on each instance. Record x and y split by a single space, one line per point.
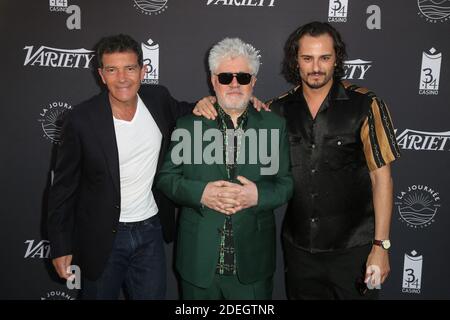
228 175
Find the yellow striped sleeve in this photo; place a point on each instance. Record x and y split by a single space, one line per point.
378 136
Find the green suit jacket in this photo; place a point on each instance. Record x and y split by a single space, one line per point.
198 239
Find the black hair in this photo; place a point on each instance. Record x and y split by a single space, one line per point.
118 43
290 63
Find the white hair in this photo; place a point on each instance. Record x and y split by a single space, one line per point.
232 48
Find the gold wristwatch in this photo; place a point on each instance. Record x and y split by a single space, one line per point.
385 244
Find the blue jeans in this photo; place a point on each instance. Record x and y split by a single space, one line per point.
137 263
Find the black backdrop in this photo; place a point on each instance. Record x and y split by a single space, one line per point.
399 49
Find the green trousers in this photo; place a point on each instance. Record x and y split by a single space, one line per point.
228 288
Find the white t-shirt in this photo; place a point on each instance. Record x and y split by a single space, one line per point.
139 144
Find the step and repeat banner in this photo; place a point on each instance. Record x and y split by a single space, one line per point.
399 49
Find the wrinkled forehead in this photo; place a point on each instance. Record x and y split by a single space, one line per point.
233 64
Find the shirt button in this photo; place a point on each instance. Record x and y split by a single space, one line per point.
114 231
339 142
313 146
117 206
314 220
313 171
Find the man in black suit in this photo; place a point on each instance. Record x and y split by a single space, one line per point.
103 212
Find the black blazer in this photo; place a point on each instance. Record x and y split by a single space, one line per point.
84 199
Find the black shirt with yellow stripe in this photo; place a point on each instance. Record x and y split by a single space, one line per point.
331 157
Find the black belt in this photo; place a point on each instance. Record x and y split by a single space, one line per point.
139 223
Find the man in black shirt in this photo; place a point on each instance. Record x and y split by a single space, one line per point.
336 230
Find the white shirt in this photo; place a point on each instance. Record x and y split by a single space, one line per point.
139 144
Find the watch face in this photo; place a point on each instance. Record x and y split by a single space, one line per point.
386 244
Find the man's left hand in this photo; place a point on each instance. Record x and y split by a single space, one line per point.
247 197
377 266
258 104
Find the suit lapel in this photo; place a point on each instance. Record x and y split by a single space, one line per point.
155 109
254 118
103 124
212 124
253 122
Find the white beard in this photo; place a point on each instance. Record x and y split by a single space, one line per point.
239 105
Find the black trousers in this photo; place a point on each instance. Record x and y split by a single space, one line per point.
327 275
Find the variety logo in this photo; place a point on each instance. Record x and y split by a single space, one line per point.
430 72
150 7
40 250
150 51
356 69
424 141
434 10
58 58
418 206
51 120
242 3
412 273
337 11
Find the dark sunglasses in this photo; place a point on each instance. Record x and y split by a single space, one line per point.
241 77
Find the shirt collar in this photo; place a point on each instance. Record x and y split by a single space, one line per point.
337 92
223 116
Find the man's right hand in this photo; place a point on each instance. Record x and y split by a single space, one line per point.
205 108
61 265
211 199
